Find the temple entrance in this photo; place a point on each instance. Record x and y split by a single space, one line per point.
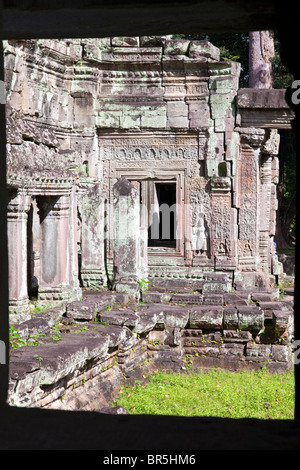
162 230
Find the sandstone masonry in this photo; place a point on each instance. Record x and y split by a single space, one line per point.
136 160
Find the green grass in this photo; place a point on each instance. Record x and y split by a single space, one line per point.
242 394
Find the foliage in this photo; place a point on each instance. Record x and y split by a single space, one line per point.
282 78
219 393
15 339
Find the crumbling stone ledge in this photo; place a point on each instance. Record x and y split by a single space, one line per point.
89 348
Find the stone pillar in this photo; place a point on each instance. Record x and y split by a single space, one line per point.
126 233
224 224
248 204
93 274
74 268
18 206
54 281
269 260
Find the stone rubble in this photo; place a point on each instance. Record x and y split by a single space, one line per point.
105 340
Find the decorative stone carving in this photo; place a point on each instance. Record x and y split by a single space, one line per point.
18 207
82 114
200 236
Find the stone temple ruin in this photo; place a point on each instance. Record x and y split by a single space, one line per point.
133 161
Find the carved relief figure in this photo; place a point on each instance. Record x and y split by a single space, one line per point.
200 236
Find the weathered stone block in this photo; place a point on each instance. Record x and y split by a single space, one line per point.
177 114
235 299
187 298
175 317
147 41
236 350
206 317
145 323
172 336
258 352
114 334
118 317
214 287
236 336
91 52
156 297
280 353
262 297
265 305
124 41
128 342
81 310
176 46
153 116
212 299
230 318
199 114
282 321
250 318
200 49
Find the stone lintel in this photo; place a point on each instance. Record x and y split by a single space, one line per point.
264 108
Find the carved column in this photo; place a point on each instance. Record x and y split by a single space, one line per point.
92 270
224 224
54 281
269 261
18 206
247 203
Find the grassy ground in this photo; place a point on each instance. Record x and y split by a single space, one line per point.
218 393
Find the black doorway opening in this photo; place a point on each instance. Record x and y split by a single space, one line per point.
162 232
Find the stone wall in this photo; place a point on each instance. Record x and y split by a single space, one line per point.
93 128
82 113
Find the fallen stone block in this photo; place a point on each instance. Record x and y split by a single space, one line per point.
200 49
282 321
146 322
172 336
119 317
129 341
114 334
85 309
168 315
125 41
